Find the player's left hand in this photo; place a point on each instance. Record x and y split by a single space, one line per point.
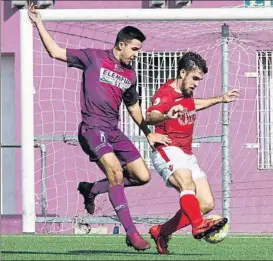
34 15
231 95
154 138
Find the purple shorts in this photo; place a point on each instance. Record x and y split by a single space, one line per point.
96 142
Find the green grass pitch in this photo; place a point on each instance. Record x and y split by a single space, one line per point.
113 247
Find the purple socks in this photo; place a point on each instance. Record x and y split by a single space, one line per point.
119 202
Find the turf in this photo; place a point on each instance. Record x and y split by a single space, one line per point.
113 247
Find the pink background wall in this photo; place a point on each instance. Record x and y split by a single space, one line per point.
57 112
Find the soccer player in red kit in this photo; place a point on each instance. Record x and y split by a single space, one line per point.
173 112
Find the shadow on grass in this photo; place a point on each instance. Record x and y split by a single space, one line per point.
103 252
89 252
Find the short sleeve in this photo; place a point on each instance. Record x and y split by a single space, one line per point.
161 101
130 96
79 58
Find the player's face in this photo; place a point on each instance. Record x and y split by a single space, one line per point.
129 50
190 80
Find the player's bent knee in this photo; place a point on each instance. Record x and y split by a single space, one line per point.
145 179
139 171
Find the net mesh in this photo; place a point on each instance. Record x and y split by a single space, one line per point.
60 163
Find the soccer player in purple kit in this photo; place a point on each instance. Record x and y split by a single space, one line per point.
108 78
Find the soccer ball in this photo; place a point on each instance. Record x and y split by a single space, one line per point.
215 237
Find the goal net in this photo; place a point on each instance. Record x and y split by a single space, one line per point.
60 164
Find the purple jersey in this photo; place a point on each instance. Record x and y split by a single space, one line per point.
105 83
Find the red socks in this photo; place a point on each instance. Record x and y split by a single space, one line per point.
190 206
188 214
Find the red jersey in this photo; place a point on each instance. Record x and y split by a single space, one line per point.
180 131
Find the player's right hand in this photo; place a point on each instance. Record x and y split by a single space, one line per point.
33 14
176 112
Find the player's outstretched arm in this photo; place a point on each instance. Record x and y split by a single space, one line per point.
155 117
136 114
53 49
231 95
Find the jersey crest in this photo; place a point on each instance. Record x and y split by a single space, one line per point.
156 101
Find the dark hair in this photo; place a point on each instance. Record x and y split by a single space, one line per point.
190 61
129 33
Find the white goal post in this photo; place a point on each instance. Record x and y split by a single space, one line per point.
26 68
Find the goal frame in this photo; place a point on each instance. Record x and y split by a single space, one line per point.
26 75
